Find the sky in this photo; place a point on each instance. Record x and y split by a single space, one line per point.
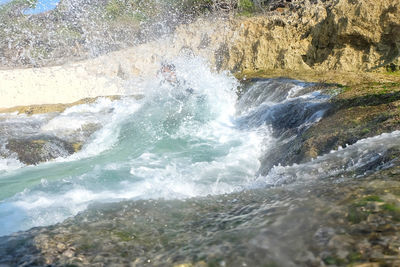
42 6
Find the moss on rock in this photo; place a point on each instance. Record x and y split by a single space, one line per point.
362 106
34 150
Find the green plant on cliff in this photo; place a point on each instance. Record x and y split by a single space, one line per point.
394 73
183 8
246 7
148 10
115 8
135 10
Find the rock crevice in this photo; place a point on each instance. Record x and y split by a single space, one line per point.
331 35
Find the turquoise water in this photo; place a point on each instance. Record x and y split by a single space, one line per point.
171 144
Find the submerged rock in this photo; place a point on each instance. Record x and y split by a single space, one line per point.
355 112
360 111
33 150
323 223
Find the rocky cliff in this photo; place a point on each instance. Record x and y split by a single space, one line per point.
323 36
345 35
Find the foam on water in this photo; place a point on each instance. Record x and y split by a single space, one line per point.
9 164
185 140
113 113
365 156
169 145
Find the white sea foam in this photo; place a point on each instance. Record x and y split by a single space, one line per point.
358 156
202 154
9 164
107 136
163 147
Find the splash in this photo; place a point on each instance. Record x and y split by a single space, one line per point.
172 144
190 138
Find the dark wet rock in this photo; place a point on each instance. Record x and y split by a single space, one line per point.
358 112
25 139
356 116
81 135
288 107
286 116
33 150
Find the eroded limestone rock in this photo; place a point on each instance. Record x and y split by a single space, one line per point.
331 35
33 150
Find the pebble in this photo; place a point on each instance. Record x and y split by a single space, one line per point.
60 247
69 253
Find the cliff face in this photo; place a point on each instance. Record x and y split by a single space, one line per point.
346 35
334 35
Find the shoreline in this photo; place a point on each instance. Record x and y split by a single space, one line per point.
60 107
256 46
51 85
53 89
107 75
